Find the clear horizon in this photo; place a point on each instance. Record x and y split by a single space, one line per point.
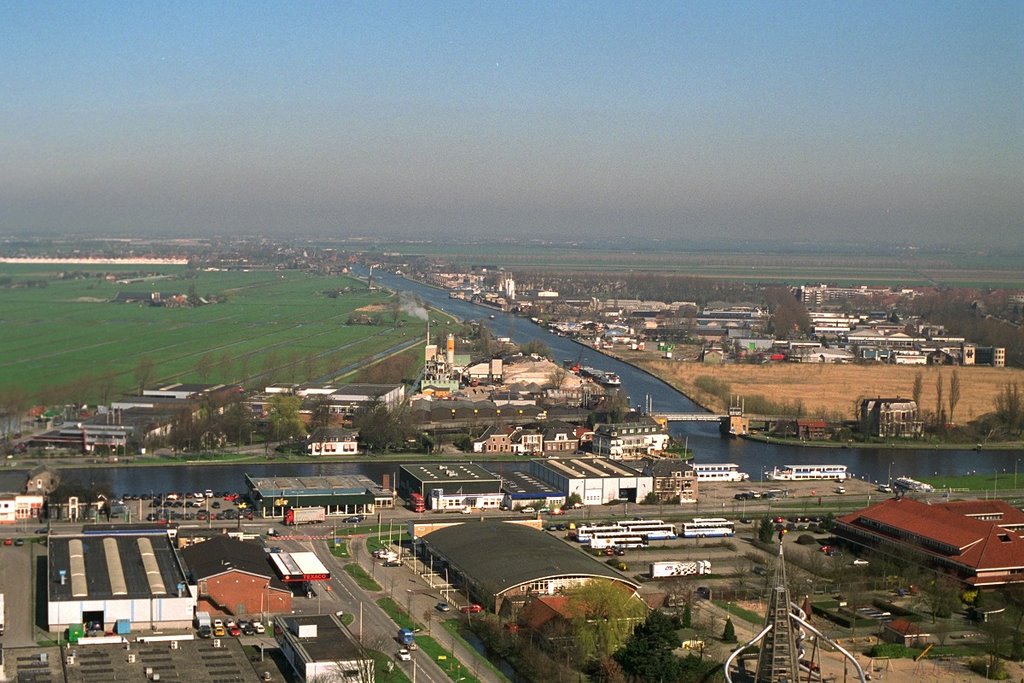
755 121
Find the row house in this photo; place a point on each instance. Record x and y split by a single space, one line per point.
630 440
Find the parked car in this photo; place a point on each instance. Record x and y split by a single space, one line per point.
260 628
219 632
528 510
353 520
860 563
471 609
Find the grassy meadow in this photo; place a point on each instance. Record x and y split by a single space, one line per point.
69 339
829 390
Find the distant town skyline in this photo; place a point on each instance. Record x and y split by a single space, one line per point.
872 121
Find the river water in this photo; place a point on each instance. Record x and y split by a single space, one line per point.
753 457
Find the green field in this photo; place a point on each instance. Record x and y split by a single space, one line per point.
68 341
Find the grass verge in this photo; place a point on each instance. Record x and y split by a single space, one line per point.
454 627
455 669
384 669
737 611
364 580
338 549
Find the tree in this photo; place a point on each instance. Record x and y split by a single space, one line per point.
647 655
942 595
940 407
321 414
283 414
226 366
765 530
204 366
381 429
1010 407
604 615
143 374
915 393
535 347
954 393
729 632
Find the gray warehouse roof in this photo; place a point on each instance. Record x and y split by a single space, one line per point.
501 555
99 567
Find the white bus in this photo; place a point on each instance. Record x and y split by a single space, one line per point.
710 527
722 471
618 538
807 472
653 529
584 531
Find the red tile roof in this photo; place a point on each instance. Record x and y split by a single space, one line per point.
984 546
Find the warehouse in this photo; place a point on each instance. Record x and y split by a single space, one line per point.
116 575
319 648
501 564
349 494
595 480
451 486
523 489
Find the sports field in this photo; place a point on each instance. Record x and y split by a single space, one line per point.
68 341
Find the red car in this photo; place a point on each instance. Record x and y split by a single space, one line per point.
8 541
235 631
472 609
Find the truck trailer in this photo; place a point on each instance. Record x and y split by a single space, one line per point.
660 570
314 515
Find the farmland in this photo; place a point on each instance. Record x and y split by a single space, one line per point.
69 340
832 390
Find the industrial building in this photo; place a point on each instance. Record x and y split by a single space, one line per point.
451 486
319 648
114 574
502 564
234 577
522 488
595 480
347 494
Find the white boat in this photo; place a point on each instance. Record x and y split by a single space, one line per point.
807 473
908 484
722 471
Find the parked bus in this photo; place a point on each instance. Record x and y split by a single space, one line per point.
617 538
652 529
708 527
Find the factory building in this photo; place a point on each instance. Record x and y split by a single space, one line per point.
595 480
116 577
451 486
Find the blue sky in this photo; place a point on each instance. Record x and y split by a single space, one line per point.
668 120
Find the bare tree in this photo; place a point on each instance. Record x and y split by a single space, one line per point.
204 366
954 393
226 366
940 407
918 388
143 374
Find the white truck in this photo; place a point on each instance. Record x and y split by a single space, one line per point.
661 570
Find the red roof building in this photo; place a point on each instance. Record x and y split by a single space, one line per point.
978 541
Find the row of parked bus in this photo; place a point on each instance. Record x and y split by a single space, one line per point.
637 533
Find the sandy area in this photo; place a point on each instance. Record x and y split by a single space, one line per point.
835 390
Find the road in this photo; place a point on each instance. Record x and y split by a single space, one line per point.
371 625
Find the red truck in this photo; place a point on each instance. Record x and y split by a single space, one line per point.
416 502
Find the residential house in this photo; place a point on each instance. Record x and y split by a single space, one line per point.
673 480
890 417
560 437
333 441
630 440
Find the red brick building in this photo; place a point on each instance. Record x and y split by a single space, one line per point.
976 541
235 578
